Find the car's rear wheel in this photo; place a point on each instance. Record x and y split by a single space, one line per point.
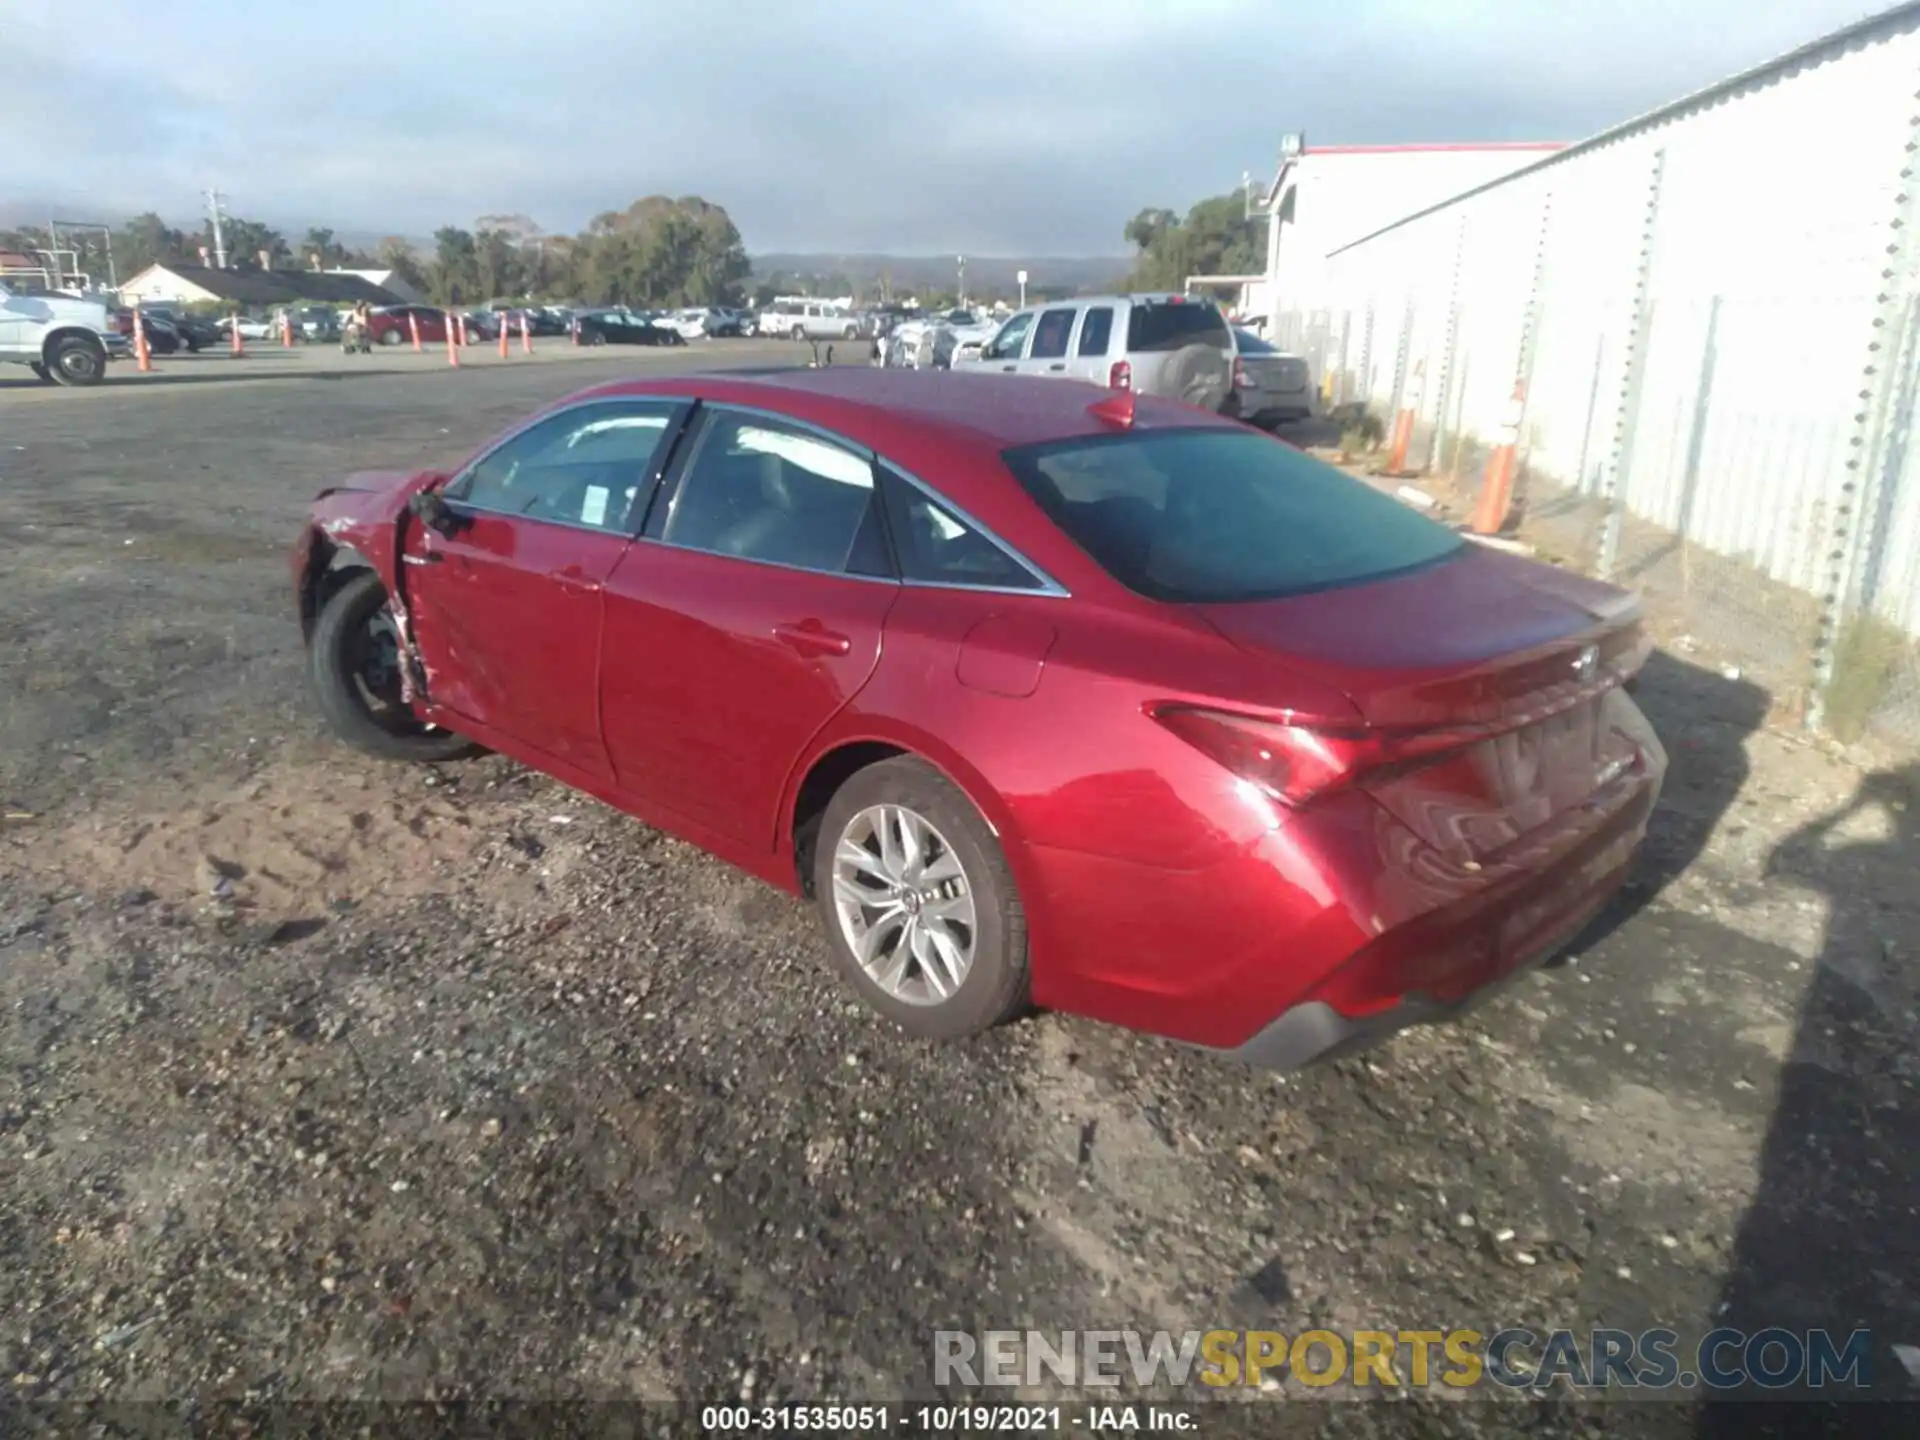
919 904
78 360
353 660
390 337
798 332
594 337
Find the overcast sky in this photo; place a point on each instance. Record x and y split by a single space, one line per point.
999 127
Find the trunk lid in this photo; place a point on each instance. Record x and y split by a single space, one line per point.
1518 663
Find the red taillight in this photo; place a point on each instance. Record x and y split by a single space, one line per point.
1291 763
1120 376
1240 381
1294 763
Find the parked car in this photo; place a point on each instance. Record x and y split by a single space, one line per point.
971 329
1335 769
1166 345
1270 387
251 327
317 322
688 324
63 339
394 325
189 332
163 338
813 321
622 327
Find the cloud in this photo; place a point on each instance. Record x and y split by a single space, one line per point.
999 126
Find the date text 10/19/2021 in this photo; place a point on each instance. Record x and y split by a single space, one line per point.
944 1419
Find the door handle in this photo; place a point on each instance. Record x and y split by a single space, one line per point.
811 638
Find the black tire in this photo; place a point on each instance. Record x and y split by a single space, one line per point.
391 337
852 332
336 661
995 989
77 360
799 332
595 337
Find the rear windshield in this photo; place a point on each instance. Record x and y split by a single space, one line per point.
1248 343
1168 325
1218 515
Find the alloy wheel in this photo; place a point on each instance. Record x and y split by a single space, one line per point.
905 904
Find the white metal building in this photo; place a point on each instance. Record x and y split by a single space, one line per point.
1712 313
1325 196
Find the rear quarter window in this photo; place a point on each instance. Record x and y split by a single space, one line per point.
1175 325
1211 516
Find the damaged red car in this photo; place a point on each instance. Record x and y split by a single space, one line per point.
1045 695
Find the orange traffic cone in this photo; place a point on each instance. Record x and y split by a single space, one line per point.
453 344
526 337
286 330
234 343
1403 421
413 329
504 328
142 352
1496 486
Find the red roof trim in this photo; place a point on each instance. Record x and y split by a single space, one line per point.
1421 149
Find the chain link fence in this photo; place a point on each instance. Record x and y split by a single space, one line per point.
1716 389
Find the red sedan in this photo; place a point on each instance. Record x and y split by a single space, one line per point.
1044 695
390 326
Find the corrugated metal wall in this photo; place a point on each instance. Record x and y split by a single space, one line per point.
1689 303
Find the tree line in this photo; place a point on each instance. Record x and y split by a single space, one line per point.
1214 238
658 251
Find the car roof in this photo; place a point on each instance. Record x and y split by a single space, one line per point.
869 404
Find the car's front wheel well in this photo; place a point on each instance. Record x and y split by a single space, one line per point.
329 568
823 781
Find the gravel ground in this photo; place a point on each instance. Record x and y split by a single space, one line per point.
468 1086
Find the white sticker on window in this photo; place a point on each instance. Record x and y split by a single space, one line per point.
593 510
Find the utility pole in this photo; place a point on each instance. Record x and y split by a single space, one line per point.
216 215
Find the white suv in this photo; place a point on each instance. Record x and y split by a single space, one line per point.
63 339
1168 345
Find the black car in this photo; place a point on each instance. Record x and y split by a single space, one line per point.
164 336
617 327
198 331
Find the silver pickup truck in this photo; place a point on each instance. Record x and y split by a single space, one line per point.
63 339
812 321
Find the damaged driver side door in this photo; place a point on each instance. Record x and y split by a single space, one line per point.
505 586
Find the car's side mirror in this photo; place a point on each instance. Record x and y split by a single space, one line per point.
430 508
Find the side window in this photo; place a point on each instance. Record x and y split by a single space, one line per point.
1051 334
1013 335
937 548
1096 330
762 490
583 466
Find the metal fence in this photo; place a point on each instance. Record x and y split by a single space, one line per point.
1710 322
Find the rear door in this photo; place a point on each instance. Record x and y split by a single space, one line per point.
507 610
748 614
1090 344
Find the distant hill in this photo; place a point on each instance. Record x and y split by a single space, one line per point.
991 274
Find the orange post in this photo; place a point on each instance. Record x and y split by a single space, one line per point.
413 329
504 328
234 342
286 330
526 337
1404 418
1496 486
453 344
573 328
142 351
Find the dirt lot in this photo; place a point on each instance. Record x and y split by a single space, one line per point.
464 1084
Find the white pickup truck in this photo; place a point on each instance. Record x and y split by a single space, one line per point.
65 340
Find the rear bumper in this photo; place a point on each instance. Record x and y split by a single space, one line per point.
1314 1031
